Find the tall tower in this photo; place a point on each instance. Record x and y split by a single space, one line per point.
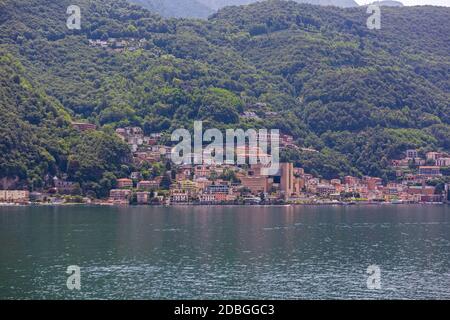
287 179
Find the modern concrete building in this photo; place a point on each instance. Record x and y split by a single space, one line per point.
256 184
287 179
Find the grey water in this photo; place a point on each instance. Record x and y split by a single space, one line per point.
225 252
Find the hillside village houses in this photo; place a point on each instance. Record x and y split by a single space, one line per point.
205 184
232 184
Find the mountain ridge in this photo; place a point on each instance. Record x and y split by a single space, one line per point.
204 8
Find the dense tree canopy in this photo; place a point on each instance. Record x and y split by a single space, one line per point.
358 96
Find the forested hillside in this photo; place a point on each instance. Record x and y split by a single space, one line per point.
360 97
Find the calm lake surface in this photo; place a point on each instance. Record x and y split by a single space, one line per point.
225 252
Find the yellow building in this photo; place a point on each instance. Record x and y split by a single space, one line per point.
188 185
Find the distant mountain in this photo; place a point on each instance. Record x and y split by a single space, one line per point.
389 3
204 8
218 4
177 8
336 3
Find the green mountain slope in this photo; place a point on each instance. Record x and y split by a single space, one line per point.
360 97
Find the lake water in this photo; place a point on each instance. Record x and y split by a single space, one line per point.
225 252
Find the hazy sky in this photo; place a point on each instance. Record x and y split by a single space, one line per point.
415 2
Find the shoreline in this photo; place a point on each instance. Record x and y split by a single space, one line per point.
223 205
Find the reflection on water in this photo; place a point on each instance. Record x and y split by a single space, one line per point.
225 252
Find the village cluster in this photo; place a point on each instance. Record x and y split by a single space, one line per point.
245 184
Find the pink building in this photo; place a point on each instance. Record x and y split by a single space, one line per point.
120 196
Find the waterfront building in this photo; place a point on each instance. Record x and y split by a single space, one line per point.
207 198
420 190
221 197
256 184
14 196
120 196
142 197
431 198
179 196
